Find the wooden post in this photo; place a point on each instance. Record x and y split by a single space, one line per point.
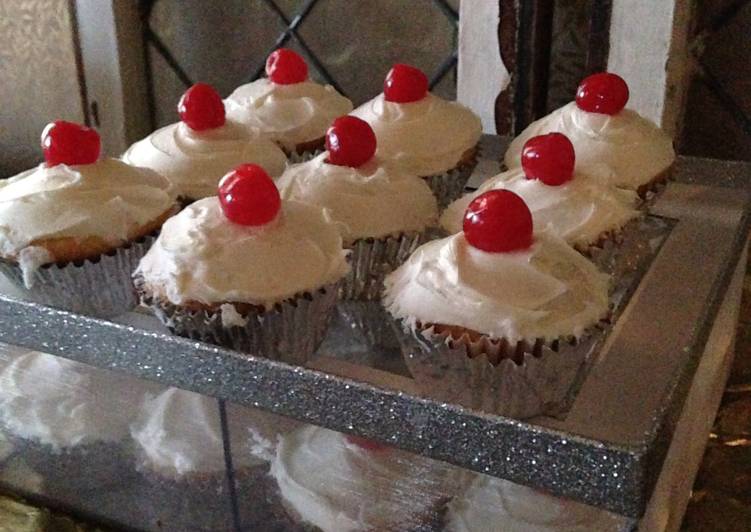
112 57
482 74
504 52
649 49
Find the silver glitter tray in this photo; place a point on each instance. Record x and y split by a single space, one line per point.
604 446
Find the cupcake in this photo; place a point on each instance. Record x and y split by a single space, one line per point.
581 210
73 229
382 211
246 270
515 508
196 152
341 483
286 106
430 137
68 421
486 316
179 448
613 144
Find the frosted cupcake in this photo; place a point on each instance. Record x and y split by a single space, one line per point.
613 144
515 508
73 229
577 208
286 106
487 314
341 483
196 152
68 421
430 137
247 271
382 211
179 448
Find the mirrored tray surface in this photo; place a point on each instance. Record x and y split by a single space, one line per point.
603 446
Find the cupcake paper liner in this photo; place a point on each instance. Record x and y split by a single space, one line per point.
649 192
606 240
450 185
374 258
100 287
304 156
289 332
530 379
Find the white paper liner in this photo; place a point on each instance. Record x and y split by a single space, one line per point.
444 370
290 332
374 258
100 287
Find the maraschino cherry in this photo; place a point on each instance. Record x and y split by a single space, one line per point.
248 196
404 84
70 143
365 443
350 141
603 93
201 108
549 158
285 67
498 221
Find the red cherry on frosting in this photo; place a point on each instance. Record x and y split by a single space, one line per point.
350 141
603 93
201 107
405 84
549 158
285 67
70 143
248 196
364 443
498 221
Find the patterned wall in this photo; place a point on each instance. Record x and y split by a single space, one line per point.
357 41
222 43
40 78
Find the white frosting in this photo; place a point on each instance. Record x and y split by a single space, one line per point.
624 150
108 199
288 114
578 211
61 403
201 256
230 316
514 508
546 291
179 432
340 487
373 200
195 161
427 137
30 259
